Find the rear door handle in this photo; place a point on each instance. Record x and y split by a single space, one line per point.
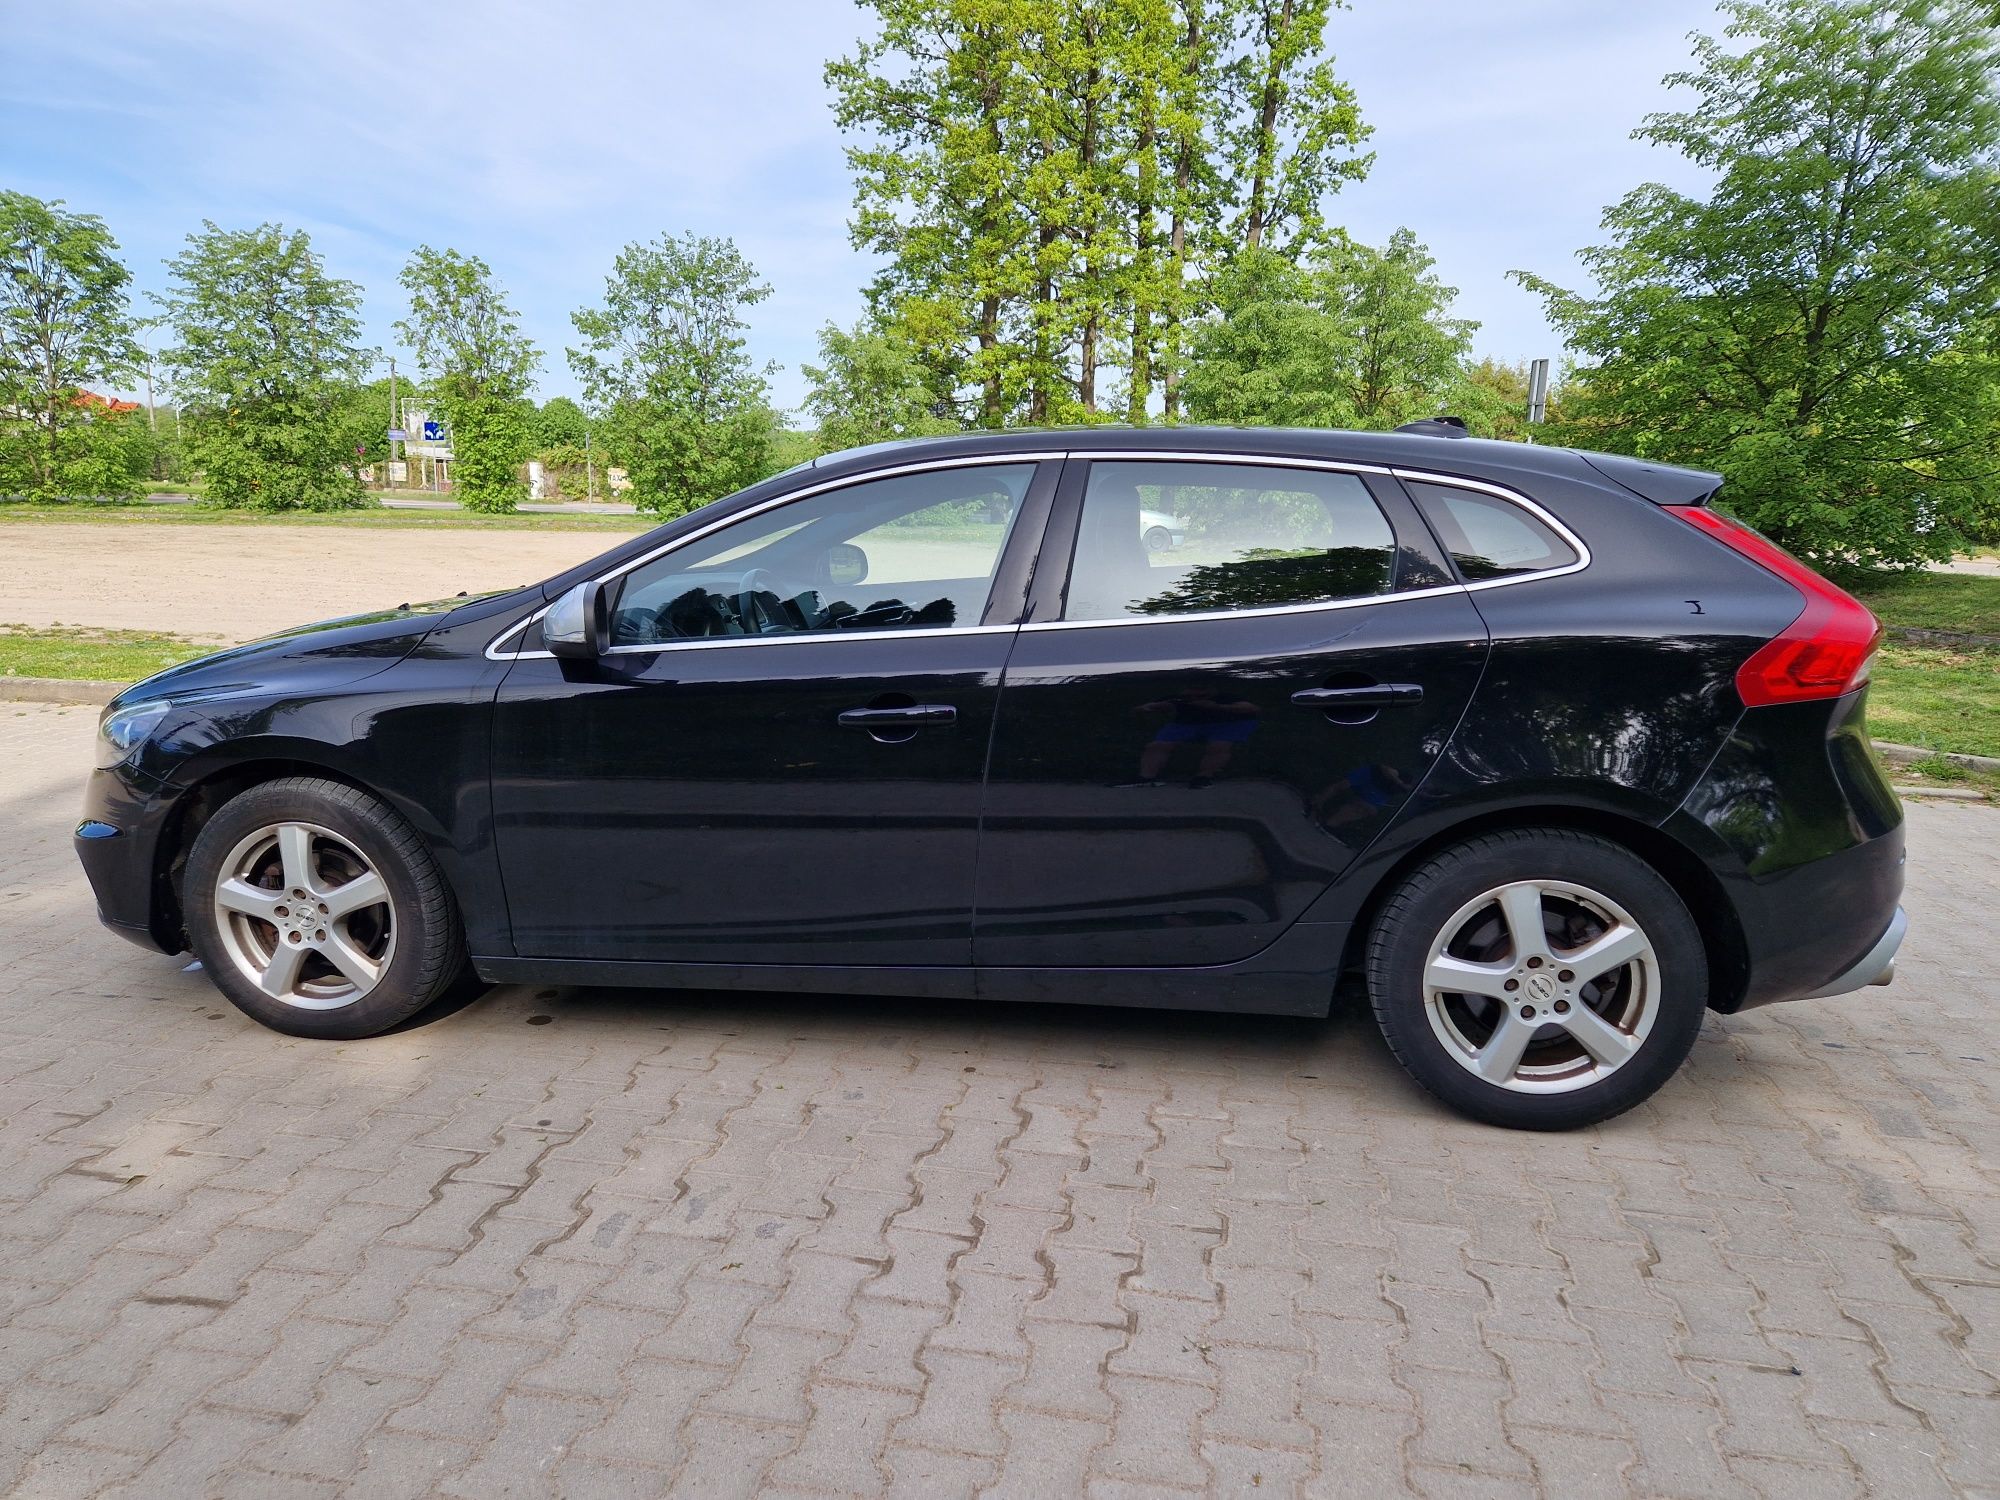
910 716
1374 695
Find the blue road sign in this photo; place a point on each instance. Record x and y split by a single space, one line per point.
397 435
433 432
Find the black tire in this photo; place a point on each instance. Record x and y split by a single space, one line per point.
428 954
1417 916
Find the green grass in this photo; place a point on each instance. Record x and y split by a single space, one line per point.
99 655
1965 602
100 513
1936 698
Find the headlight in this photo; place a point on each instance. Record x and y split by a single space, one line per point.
125 731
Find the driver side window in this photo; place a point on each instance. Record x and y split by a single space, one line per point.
913 552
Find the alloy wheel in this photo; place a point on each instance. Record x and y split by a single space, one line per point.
305 916
1542 986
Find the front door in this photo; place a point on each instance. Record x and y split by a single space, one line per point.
779 760
1201 736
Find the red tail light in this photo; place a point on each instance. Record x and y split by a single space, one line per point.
1825 652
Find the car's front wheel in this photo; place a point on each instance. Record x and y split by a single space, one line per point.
1159 539
319 911
1538 978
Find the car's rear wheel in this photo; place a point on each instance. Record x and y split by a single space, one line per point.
1158 539
1538 978
317 910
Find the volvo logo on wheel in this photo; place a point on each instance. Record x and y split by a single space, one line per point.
1540 988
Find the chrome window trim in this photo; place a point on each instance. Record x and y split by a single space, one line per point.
1237 614
985 460
1512 497
1335 465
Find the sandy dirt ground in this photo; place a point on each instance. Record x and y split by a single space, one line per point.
233 583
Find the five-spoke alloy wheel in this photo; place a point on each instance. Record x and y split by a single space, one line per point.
305 916
1538 977
318 910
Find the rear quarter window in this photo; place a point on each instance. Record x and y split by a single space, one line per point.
1488 537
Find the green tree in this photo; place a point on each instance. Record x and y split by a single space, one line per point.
268 354
1290 141
361 415
64 321
478 365
1358 337
665 365
1406 346
1049 181
1820 326
1492 396
1271 353
560 422
869 387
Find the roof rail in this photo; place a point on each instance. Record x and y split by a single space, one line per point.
1445 427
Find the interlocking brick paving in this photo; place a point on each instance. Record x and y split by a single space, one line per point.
713 1245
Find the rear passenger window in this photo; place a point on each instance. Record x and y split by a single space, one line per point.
1486 536
1167 538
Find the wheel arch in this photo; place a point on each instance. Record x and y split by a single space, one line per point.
1723 939
214 785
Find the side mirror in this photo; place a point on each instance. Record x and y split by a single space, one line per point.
846 563
578 626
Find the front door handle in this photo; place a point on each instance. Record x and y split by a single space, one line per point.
1373 695
902 716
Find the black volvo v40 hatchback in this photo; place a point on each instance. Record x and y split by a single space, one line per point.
1551 752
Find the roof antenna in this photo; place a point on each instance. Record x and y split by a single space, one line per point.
1445 427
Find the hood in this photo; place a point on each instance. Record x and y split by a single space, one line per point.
324 654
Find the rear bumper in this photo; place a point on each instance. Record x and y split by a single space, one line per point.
1876 966
1804 836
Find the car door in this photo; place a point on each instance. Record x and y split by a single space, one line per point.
779 758
1195 740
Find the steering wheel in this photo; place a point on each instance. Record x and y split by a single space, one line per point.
752 615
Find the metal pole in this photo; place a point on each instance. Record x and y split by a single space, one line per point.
1538 394
589 469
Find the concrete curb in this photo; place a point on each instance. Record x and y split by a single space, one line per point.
59 690
1942 793
1903 755
1951 639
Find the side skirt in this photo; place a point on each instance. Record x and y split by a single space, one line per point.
1293 977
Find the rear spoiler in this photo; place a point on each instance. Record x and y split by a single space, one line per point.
1663 484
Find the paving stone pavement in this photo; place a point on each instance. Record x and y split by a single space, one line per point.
590 1243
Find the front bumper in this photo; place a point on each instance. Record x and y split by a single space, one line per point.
117 844
1876 966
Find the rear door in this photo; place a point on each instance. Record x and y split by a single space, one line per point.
1194 740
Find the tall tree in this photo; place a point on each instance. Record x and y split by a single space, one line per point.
1406 346
479 366
1358 337
936 93
1271 353
64 321
869 387
1821 325
665 364
268 347
1295 124
1049 181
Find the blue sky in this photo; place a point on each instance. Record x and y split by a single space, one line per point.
542 137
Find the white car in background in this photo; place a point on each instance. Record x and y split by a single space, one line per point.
1160 531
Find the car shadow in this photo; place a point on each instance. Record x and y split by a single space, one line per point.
1345 1044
